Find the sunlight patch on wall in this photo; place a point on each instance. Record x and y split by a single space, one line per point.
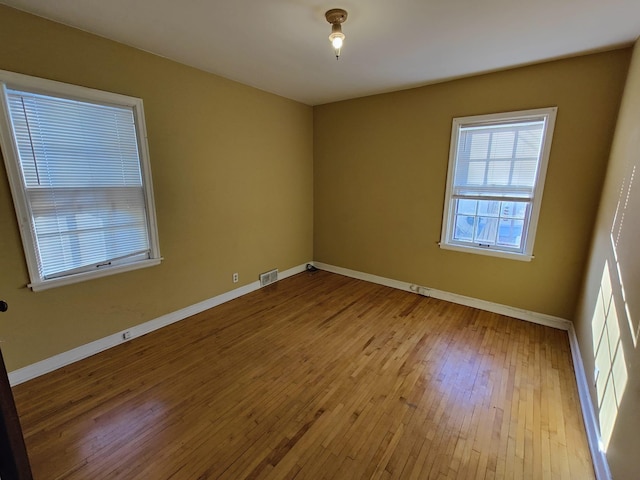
611 378
622 209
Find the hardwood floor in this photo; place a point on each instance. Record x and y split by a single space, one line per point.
317 377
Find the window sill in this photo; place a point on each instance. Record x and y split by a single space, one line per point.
523 257
81 277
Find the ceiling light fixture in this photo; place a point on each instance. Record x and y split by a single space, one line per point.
336 17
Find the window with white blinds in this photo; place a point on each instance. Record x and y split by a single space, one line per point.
497 167
80 176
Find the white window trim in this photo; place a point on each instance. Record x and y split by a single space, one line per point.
527 254
12 80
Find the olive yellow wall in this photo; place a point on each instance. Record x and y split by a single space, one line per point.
380 168
232 172
608 316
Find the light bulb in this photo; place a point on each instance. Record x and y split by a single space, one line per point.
337 39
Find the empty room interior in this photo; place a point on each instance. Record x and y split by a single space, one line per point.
233 247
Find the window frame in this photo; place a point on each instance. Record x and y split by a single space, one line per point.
26 83
529 230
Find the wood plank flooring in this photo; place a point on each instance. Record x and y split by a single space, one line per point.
318 376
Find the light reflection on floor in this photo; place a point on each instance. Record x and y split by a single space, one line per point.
123 422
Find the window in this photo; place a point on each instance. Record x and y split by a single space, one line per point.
79 172
497 166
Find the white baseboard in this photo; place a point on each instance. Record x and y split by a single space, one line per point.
534 317
65 358
600 464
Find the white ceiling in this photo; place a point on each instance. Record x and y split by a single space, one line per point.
282 46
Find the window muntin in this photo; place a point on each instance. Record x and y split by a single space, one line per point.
494 186
79 171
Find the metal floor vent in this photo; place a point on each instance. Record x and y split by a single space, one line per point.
267 278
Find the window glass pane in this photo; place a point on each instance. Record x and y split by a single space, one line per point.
68 143
80 227
524 172
513 209
503 156
488 208
498 173
486 230
475 173
502 144
490 222
529 142
467 207
510 232
479 146
464 228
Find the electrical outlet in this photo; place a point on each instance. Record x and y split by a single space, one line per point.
424 291
235 278
126 335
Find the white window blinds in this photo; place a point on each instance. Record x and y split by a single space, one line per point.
499 160
83 185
